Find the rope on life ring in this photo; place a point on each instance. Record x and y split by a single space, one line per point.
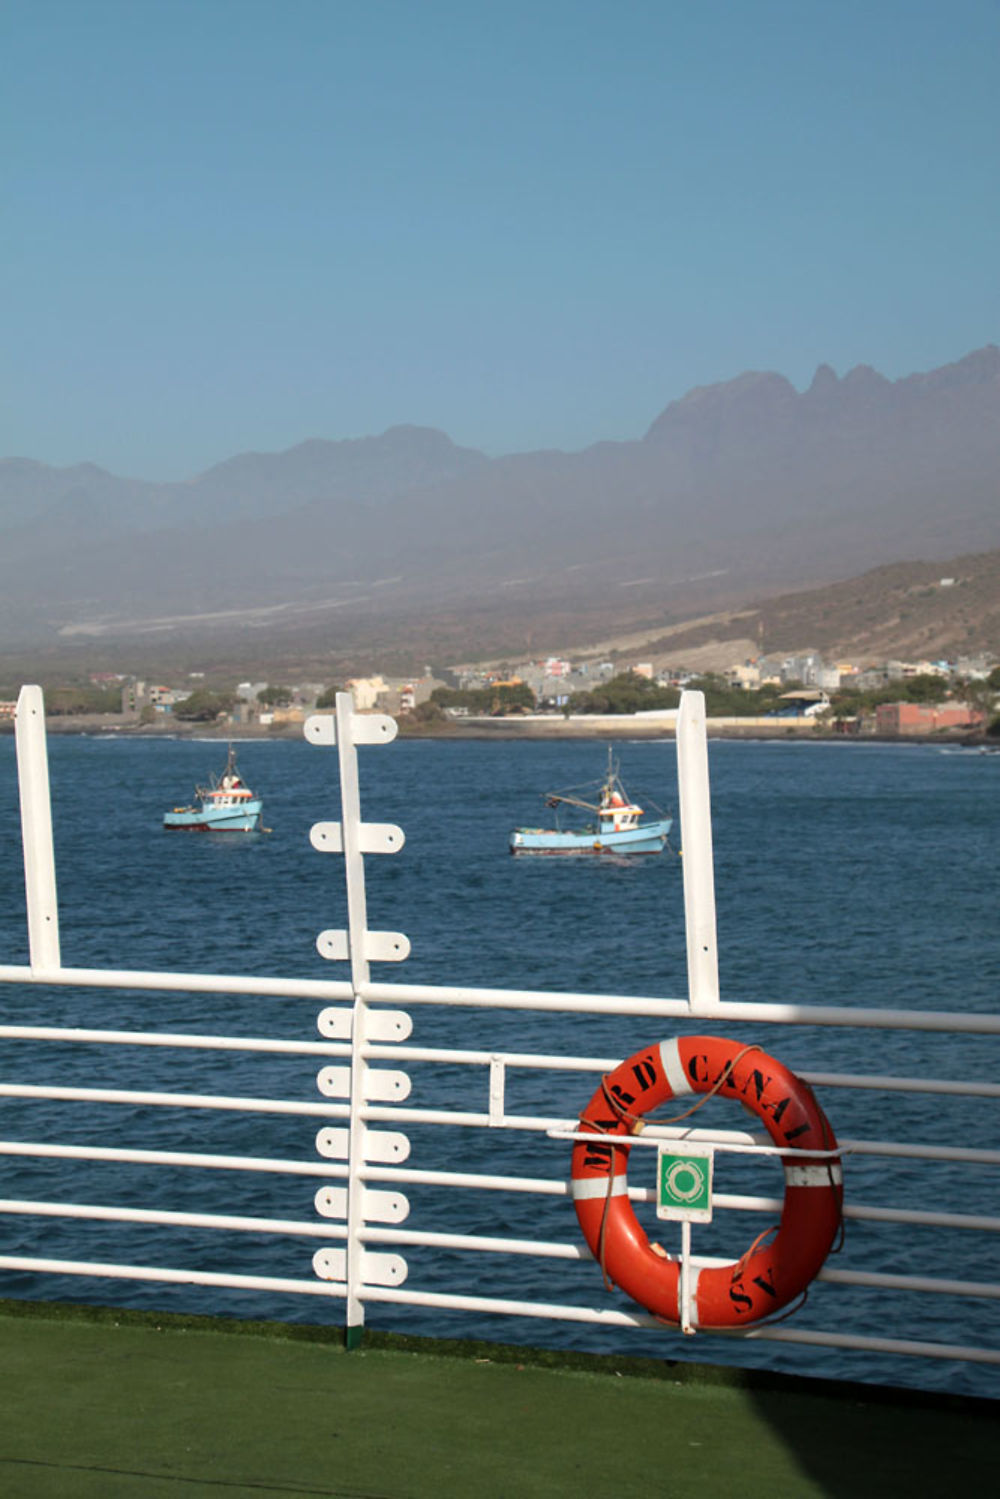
774 1270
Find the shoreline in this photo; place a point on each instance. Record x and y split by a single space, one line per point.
599 727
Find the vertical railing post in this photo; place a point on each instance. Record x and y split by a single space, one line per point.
354 1265
36 832
357 928
694 799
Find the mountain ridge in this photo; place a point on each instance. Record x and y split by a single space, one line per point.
736 491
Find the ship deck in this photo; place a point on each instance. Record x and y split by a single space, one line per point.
107 1403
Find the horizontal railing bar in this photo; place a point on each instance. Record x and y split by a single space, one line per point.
331 1170
726 1140
164 1217
561 1187
648 1139
492 1244
958 1153
937 1285
557 1187
532 1123
168 1158
855 1211
614 1318
767 1013
175 1277
557 1250
402 1175
73 1034
169 983
166 1100
610 1317
540 1062
418 1176
527 1061
908 1347
467 1303
327 1229
532 1061
475 1243
377 1113
889 1084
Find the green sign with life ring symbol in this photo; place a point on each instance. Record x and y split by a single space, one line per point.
684 1185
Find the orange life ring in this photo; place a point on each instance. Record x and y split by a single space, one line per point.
770 1274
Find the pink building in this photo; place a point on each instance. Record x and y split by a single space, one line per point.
924 718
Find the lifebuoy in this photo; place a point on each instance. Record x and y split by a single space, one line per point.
770 1274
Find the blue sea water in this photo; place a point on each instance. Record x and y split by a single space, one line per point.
846 874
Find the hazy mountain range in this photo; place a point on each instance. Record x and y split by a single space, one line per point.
737 491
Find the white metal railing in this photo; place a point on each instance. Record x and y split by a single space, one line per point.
363 1142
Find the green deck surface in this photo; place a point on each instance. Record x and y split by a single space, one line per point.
112 1405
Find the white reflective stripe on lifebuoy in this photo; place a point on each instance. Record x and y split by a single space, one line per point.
694 1272
597 1186
673 1067
814 1176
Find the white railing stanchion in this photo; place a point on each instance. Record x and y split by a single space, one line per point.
353 838
36 832
694 801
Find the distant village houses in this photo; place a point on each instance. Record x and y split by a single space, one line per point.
801 686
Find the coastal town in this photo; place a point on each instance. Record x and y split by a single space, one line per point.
773 695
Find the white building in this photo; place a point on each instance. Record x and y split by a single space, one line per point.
365 691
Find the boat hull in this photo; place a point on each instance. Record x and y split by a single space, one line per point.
651 838
242 819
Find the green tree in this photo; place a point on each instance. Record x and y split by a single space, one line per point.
631 693
499 699
978 693
428 713
924 688
204 706
274 697
516 696
60 701
328 699
626 693
722 700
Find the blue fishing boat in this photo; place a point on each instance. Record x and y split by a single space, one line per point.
616 825
226 806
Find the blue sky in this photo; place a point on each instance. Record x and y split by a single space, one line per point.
236 224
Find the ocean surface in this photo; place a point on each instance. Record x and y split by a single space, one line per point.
846 874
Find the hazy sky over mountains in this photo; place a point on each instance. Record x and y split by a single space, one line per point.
236 224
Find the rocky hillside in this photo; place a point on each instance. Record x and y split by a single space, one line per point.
906 611
738 492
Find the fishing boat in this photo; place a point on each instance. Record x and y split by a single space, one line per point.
226 806
616 825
